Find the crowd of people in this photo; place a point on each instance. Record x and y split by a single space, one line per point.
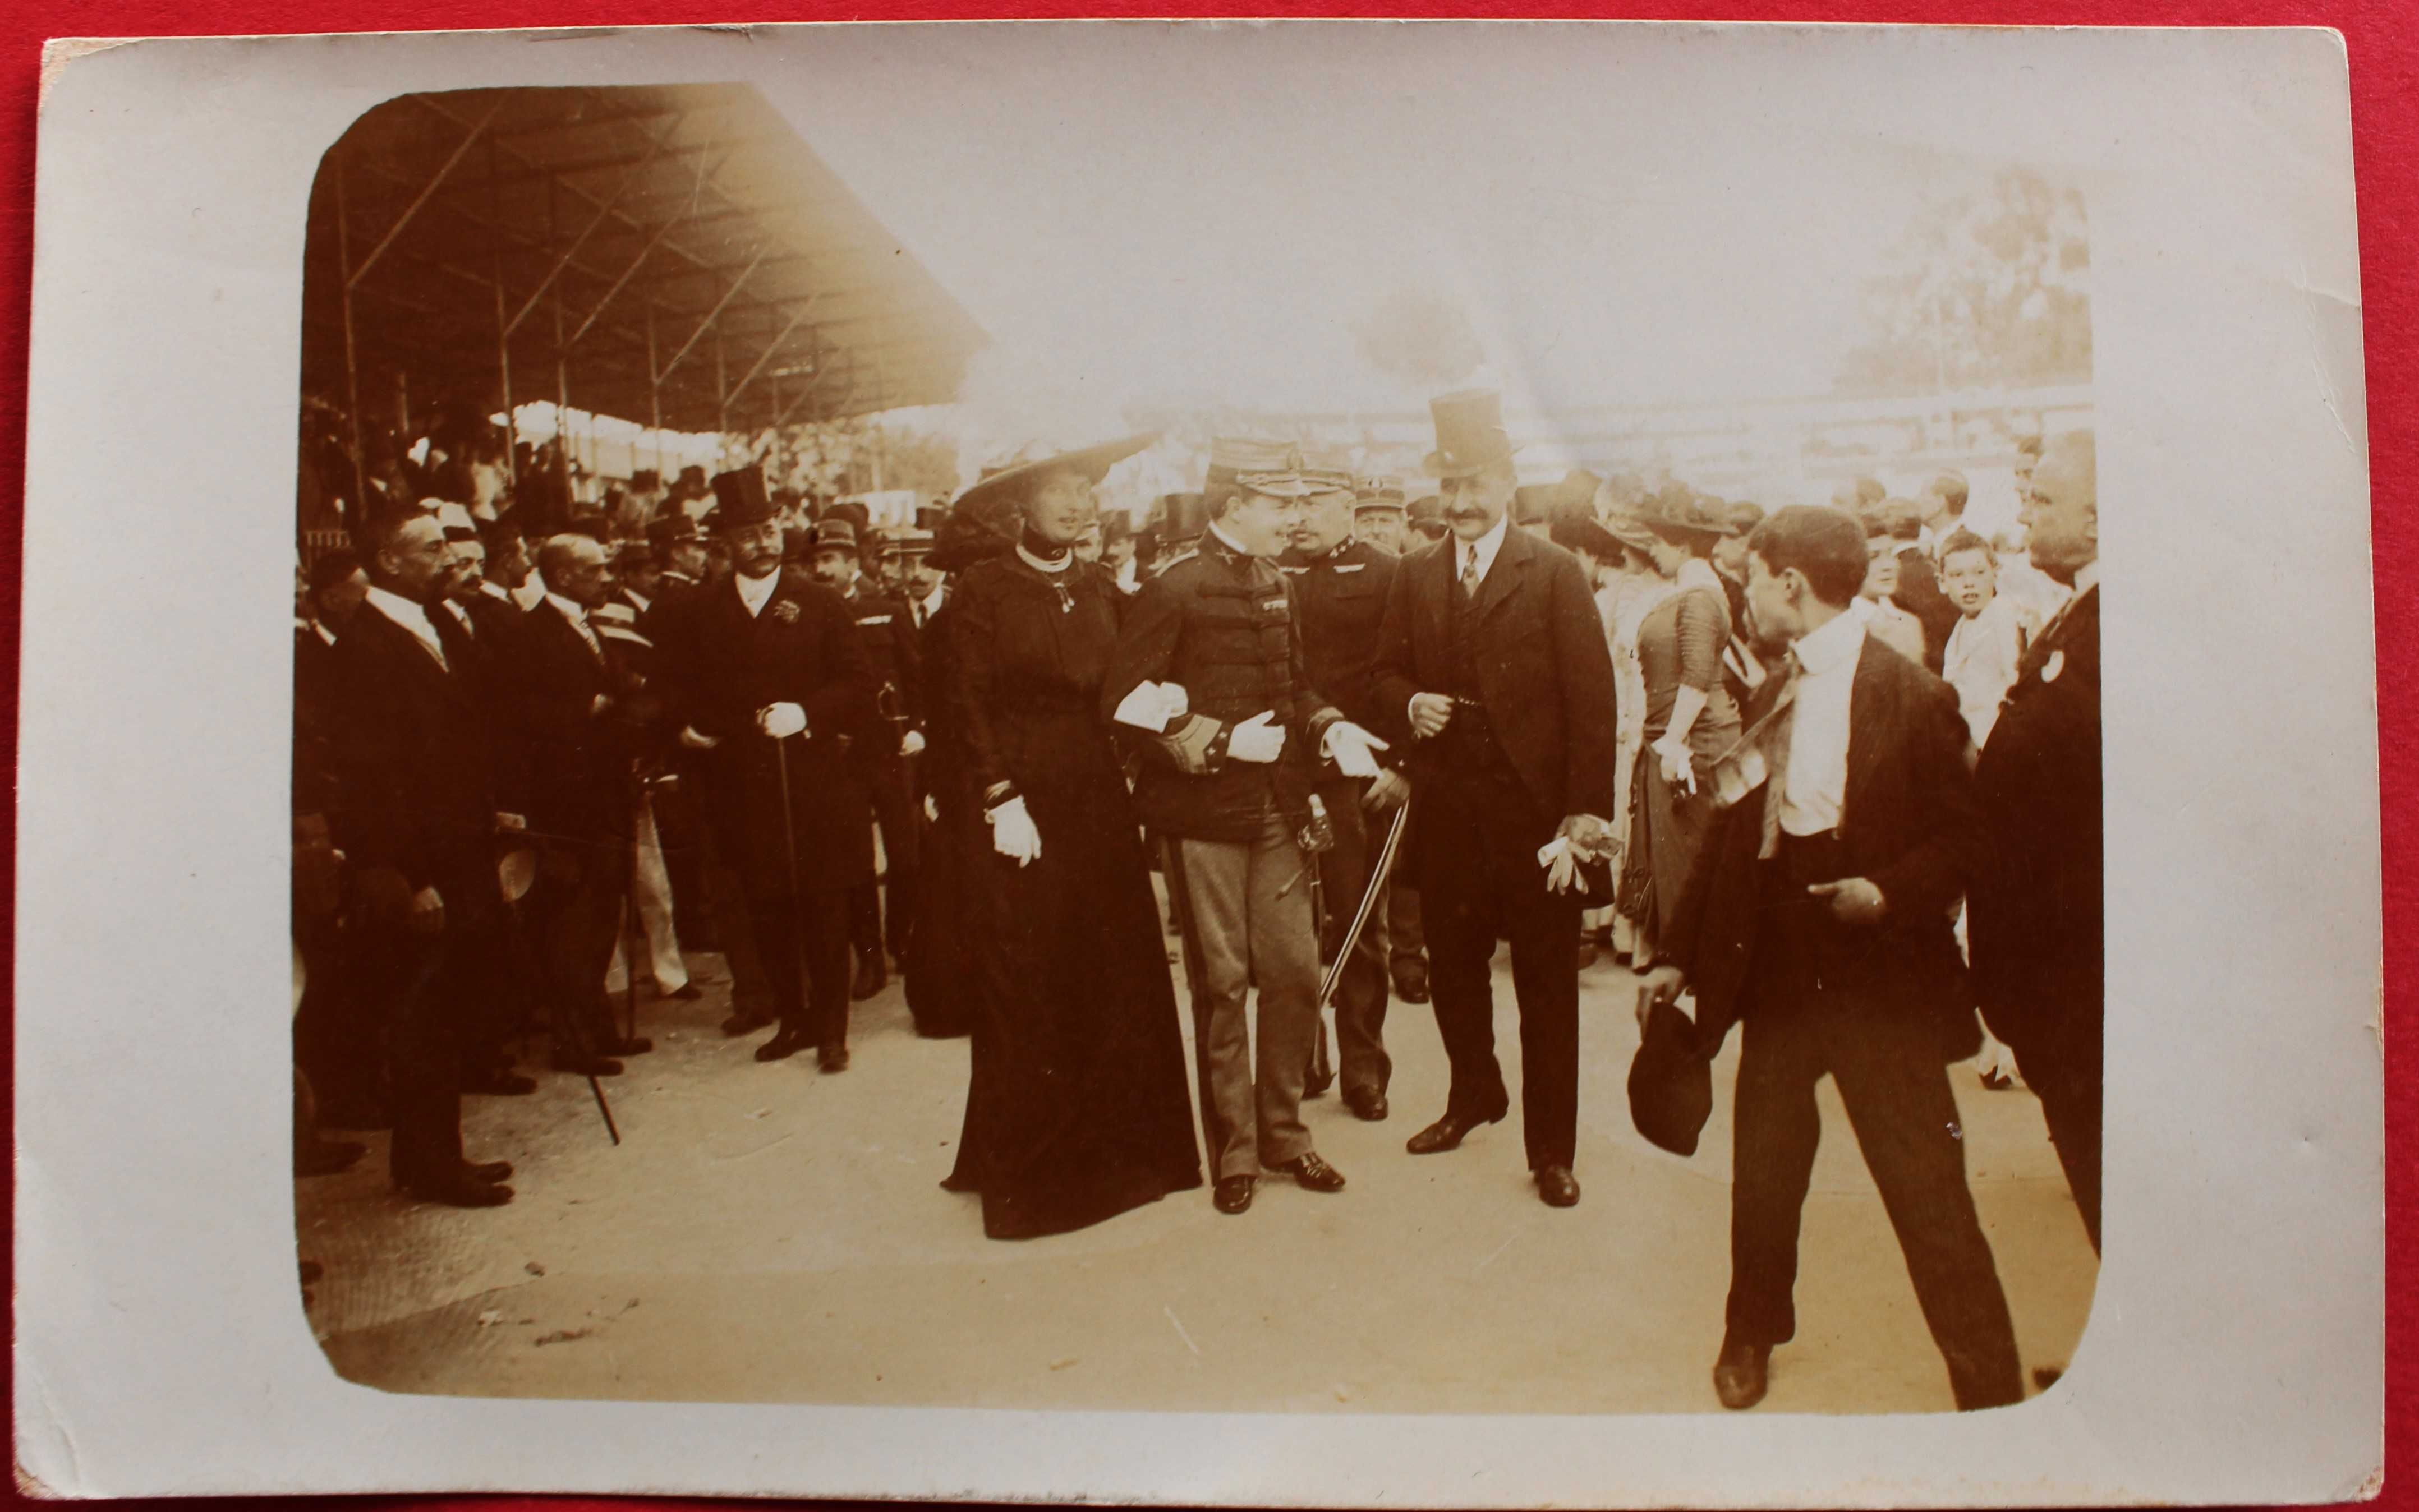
1829 775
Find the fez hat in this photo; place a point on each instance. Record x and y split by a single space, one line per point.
1377 493
1002 485
1470 433
1671 1083
1678 514
667 531
833 533
740 500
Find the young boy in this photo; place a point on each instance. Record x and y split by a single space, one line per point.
1980 661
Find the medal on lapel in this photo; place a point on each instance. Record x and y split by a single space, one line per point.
786 611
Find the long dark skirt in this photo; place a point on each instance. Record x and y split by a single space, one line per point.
1078 1107
1667 827
939 968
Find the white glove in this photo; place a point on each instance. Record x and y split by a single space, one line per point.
781 721
1180 703
1153 706
692 738
910 743
1012 833
1258 739
1677 767
1562 867
931 808
1348 745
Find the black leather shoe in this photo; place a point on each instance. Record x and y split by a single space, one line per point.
461 1192
1742 1372
782 1045
1316 1083
832 1058
744 1023
500 1084
490 1172
1412 981
325 1157
635 1047
1311 1172
1449 1131
1368 1104
600 1067
1557 1187
872 976
1233 1194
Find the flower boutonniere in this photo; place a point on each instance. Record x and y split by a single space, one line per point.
786 611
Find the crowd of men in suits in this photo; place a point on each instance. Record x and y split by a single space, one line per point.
462 692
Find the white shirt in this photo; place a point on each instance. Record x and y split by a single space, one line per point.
638 601
756 593
570 609
1232 544
462 617
1483 549
1816 787
410 616
496 590
933 600
531 593
1980 661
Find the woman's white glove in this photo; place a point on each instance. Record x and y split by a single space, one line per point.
1012 833
1677 767
781 721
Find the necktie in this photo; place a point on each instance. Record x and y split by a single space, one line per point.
1469 574
1771 737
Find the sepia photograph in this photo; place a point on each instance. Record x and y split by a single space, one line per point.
1217 720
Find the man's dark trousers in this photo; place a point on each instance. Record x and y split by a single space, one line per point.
1479 837
1890 1071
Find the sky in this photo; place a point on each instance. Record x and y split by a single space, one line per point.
1141 224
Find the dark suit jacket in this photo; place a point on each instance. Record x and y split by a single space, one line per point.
889 635
1907 824
721 666
411 741
315 694
2036 920
579 761
1918 593
1543 667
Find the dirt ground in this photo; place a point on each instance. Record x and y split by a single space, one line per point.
768 1233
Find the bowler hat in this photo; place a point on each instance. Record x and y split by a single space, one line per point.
740 499
1671 1083
1470 433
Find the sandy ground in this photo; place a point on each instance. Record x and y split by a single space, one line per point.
768 1233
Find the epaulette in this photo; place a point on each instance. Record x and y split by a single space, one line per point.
1180 558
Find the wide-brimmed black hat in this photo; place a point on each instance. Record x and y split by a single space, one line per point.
1671 1083
739 499
1005 482
1678 513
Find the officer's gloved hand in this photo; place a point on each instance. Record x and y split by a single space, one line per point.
1259 740
781 721
910 743
1349 746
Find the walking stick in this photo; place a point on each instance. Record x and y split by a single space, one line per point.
633 935
602 1106
790 853
1378 875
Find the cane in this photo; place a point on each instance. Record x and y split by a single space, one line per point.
633 937
789 851
1378 875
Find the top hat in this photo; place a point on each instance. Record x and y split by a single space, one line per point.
644 480
927 516
740 499
1671 1083
1470 433
1181 516
835 534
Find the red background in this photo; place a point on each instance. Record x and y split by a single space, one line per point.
2383 44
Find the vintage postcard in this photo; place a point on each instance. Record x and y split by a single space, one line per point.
1201 763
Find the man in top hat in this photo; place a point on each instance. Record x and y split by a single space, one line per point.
888 634
1339 591
1494 673
1377 513
770 685
678 545
2035 920
1182 517
1818 916
1228 762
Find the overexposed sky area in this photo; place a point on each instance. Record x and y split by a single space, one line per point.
1157 216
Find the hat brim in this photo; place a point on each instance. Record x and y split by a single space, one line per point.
1092 462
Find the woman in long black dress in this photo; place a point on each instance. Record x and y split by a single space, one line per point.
1079 1107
